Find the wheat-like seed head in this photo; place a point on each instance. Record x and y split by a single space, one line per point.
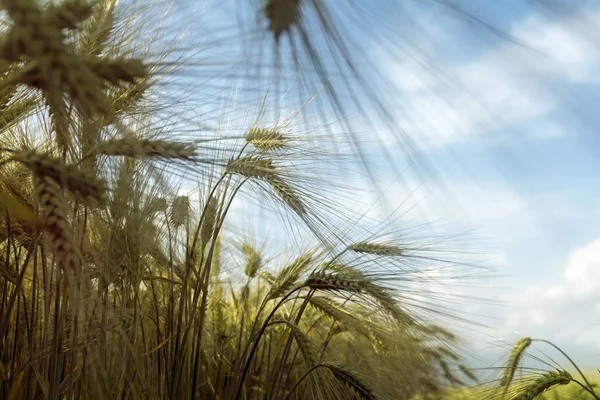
68 176
253 260
305 345
376 249
350 379
145 148
266 139
252 167
287 194
287 277
50 63
56 223
543 383
209 221
513 361
333 282
180 210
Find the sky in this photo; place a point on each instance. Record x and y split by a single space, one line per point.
507 117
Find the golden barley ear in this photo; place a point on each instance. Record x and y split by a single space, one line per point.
70 177
180 210
56 224
266 139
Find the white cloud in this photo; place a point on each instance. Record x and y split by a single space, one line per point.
567 46
509 87
567 311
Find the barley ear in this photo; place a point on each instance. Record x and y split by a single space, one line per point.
513 361
356 383
542 384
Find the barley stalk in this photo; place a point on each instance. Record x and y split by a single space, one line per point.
543 383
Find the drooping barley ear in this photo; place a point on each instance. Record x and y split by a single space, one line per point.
514 360
379 249
282 15
209 221
287 194
353 281
542 384
56 224
305 345
145 148
68 176
252 167
180 210
353 381
266 139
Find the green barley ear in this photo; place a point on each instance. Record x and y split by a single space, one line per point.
514 360
542 384
253 260
378 249
305 345
353 381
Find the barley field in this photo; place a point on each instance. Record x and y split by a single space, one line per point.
134 150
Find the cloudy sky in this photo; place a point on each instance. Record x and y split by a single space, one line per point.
516 135
504 106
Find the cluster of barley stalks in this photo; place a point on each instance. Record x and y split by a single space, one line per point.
114 285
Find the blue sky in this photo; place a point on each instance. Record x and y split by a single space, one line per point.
510 126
